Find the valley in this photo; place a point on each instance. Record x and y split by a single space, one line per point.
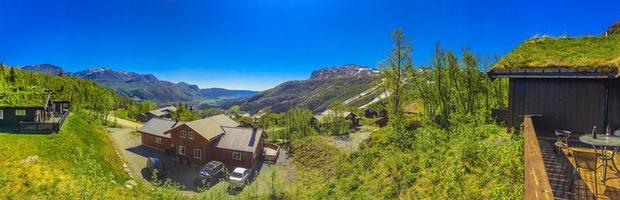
355 85
288 100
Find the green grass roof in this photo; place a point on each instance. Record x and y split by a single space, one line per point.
61 96
584 53
23 99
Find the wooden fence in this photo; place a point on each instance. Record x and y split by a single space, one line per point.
537 184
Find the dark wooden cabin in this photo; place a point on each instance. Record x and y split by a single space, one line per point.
374 113
16 107
569 83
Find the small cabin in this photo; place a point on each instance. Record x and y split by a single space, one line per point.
352 117
568 83
370 112
16 107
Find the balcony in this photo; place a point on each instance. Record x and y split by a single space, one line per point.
51 124
549 170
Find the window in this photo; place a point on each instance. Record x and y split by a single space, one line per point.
190 135
1 114
236 155
20 112
158 140
181 150
198 153
183 133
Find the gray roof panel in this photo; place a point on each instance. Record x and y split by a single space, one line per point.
157 127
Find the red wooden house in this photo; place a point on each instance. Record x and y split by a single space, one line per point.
200 141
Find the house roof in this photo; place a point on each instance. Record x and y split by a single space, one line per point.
370 109
564 54
163 111
240 139
23 99
157 127
211 127
62 97
332 112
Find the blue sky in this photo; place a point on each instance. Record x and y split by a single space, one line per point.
257 44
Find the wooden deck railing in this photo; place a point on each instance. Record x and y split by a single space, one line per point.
62 120
43 127
537 184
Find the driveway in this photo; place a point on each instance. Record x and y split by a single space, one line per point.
129 144
352 142
123 123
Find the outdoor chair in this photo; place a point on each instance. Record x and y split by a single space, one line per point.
586 161
562 140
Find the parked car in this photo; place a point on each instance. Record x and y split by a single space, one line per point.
156 166
209 174
240 177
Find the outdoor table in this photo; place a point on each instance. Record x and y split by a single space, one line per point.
603 141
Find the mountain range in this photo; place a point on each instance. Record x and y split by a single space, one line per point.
148 87
339 83
326 85
344 70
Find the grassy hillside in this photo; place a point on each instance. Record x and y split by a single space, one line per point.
79 162
85 94
316 152
467 161
314 94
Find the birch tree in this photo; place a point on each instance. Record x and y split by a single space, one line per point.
395 70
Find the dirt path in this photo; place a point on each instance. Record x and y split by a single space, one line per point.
355 139
123 123
123 139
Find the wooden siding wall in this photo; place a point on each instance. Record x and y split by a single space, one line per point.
248 159
10 119
226 156
571 104
614 104
198 142
149 140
